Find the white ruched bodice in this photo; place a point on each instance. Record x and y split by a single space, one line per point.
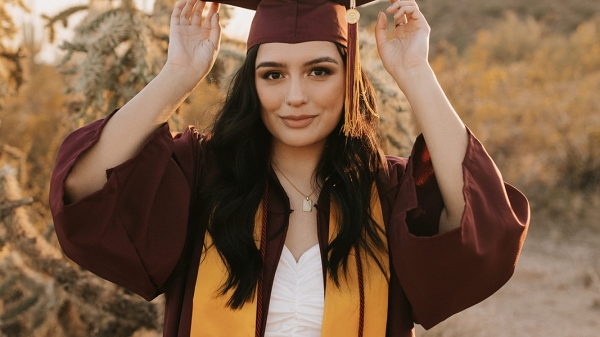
297 297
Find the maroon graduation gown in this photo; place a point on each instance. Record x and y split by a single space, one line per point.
142 229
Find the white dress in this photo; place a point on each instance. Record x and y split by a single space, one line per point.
297 297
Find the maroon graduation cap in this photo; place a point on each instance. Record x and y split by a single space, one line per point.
295 21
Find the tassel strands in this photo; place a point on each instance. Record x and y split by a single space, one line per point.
355 86
354 83
263 253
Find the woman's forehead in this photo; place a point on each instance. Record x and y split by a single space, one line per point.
296 52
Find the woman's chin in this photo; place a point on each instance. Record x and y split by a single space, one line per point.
298 142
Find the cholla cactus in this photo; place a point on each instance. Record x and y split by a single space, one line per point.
44 294
11 69
117 49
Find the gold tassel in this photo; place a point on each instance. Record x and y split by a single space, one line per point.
353 126
351 115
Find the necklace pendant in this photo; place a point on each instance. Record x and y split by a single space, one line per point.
307 205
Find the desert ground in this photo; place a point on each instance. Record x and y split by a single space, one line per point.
555 291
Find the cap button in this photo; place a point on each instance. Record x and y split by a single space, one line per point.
352 16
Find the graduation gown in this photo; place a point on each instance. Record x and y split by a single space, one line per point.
143 229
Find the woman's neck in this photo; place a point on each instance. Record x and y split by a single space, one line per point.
297 163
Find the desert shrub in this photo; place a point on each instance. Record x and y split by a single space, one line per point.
532 96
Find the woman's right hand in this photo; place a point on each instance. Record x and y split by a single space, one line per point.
193 48
194 40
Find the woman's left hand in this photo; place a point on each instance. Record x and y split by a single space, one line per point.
408 49
404 56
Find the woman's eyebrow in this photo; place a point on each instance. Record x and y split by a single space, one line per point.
271 64
320 60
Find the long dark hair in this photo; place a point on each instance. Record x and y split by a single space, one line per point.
242 144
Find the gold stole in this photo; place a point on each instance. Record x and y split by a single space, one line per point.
211 317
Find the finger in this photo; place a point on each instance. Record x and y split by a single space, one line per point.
406 13
197 13
400 19
175 17
400 15
381 30
186 13
214 8
399 9
215 30
398 4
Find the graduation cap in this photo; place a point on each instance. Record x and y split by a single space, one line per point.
295 21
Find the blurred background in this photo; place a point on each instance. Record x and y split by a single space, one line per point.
523 75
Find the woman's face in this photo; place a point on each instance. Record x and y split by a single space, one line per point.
301 90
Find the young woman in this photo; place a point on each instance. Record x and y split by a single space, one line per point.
280 222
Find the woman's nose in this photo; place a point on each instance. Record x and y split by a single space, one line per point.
296 92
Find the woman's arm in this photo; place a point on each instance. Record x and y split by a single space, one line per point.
193 48
405 57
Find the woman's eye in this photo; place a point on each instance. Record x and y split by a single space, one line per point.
272 75
320 72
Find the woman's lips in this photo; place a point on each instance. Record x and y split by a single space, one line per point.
297 121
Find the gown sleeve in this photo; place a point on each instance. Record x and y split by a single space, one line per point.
132 231
445 273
